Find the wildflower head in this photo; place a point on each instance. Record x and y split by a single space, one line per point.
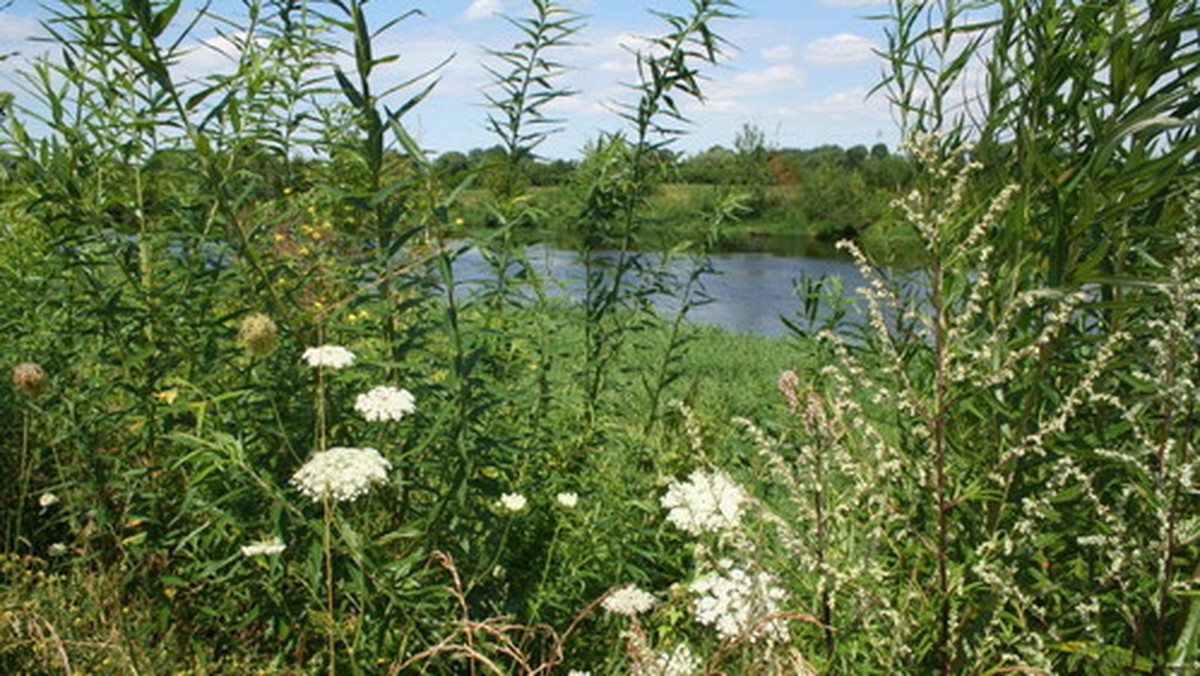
258 334
567 500
329 356
705 503
737 600
678 661
788 382
385 403
341 474
513 502
629 601
269 547
30 379
47 500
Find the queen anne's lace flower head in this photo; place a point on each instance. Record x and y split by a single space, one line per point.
737 602
679 661
30 379
567 500
628 600
47 500
341 474
329 356
269 547
513 502
705 503
385 403
258 334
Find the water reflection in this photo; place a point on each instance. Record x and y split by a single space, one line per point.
749 291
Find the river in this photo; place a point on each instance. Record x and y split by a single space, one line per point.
749 291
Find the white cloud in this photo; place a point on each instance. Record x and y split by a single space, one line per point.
843 49
483 9
853 102
777 53
769 79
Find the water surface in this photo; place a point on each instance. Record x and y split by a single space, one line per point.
749 291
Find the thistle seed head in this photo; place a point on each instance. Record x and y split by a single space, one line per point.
30 379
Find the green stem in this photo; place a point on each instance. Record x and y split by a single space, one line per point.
327 545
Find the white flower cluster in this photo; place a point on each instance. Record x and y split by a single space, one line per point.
341 474
706 503
628 600
270 547
329 356
567 500
736 602
385 403
513 502
680 661
47 500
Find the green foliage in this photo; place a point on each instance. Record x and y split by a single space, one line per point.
994 472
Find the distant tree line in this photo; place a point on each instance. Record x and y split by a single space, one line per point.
828 190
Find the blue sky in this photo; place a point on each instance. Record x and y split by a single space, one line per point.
798 69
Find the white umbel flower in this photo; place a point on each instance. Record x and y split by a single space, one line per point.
737 602
628 600
47 500
513 502
567 500
341 474
329 356
270 547
385 403
679 661
706 503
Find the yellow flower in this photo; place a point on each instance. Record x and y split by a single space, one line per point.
167 397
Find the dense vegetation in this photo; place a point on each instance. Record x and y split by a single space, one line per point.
825 193
256 424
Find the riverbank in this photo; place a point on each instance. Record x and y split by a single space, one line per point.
774 219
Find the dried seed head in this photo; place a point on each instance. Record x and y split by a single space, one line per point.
30 379
258 334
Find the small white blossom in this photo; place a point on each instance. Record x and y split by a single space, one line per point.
513 502
341 474
385 403
628 600
57 549
329 356
680 661
270 547
568 500
579 672
48 500
736 602
706 503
